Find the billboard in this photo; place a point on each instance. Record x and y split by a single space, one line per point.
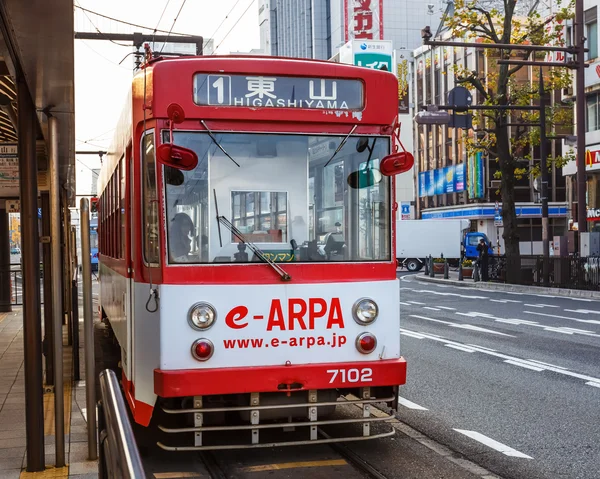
450 179
9 170
363 19
592 160
376 54
475 177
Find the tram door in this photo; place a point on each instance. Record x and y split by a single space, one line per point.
129 255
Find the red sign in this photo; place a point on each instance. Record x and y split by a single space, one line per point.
364 19
593 214
592 159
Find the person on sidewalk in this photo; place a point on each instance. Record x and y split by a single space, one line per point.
482 249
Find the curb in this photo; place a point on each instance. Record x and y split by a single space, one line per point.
516 288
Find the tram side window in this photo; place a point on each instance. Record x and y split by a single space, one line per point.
122 206
150 203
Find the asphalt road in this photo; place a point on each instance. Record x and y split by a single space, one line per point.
509 380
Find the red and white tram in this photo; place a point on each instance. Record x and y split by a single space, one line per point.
246 223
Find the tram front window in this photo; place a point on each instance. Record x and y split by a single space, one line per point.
284 197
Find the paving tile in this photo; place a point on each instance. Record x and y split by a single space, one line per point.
84 476
83 467
11 473
13 442
10 463
12 452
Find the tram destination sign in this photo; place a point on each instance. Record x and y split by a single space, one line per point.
278 92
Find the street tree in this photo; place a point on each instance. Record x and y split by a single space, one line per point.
499 22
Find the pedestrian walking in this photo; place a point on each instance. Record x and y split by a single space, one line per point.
482 249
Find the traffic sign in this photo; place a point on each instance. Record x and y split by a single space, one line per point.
13 206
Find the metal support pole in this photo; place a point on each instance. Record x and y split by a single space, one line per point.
5 274
431 271
47 261
88 326
460 271
30 258
75 308
446 270
580 119
57 294
544 174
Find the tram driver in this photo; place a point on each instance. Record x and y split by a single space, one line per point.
180 239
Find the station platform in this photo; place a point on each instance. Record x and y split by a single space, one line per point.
13 455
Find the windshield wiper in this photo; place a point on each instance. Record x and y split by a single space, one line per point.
215 141
341 145
255 249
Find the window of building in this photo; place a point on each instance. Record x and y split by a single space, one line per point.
591 33
592 112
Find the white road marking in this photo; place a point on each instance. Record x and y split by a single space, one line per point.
446 307
412 335
491 352
416 302
589 321
504 301
461 326
523 365
540 305
498 446
440 293
521 322
592 383
582 311
545 364
404 304
432 309
460 348
410 404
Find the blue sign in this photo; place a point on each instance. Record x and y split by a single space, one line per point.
272 91
449 179
422 187
440 180
475 179
459 177
405 208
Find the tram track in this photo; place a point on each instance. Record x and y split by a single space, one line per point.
346 457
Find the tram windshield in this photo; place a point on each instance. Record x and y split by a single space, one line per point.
288 197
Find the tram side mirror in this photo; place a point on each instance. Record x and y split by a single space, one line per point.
173 176
364 178
396 163
177 156
362 144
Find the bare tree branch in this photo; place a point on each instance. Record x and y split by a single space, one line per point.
491 29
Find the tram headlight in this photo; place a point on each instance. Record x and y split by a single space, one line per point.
365 311
202 316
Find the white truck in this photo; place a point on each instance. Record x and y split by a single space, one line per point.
417 239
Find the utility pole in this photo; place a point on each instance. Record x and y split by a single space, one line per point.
138 39
580 119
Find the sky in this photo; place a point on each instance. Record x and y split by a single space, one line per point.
101 83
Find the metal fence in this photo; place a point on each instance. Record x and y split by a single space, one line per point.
15 276
119 455
570 272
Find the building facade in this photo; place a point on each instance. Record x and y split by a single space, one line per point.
318 28
592 136
453 183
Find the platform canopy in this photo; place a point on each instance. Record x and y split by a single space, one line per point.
36 41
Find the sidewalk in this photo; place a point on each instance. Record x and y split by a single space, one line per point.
517 288
13 457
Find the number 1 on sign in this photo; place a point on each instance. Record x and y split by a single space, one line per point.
218 85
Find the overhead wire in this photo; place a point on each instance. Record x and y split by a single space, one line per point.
129 23
101 33
172 26
234 25
159 19
226 17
